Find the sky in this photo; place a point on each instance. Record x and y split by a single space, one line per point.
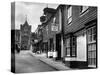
33 11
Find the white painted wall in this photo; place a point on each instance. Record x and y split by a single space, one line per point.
81 48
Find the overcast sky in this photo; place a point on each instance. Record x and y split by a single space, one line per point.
33 12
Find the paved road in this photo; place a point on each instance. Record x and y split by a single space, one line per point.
25 63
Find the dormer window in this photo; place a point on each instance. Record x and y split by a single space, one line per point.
69 14
83 9
54 19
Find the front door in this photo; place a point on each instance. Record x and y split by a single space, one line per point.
58 45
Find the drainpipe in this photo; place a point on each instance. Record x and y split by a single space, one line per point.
62 31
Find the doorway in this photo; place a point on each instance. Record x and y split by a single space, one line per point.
58 46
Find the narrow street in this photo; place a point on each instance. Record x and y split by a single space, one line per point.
25 63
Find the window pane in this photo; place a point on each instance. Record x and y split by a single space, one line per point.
73 41
92 54
89 61
95 54
69 11
81 8
94 37
68 42
94 30
84 8
69 19
93 46
89 47
90 31
69 14
54 19
73 51
90 38
68 51
94 61
89 54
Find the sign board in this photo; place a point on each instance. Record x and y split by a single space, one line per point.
35 41
54 28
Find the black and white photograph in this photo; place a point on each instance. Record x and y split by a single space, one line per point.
49 37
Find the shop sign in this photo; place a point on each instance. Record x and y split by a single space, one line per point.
54 28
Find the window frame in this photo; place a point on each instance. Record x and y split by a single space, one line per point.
91 50
71 47
69 14
83 10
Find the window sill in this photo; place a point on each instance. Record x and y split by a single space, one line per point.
70 56
92 42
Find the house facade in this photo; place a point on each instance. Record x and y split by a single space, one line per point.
80 36
52 32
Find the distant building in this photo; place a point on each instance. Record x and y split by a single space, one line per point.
38 39
17 37
25 36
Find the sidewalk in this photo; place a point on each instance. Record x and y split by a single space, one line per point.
56 64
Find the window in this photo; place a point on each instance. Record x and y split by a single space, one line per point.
47 29
71 47
68 47
91 34
54 20
69 14
83 9
51 44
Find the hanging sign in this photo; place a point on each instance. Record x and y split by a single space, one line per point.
54 27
